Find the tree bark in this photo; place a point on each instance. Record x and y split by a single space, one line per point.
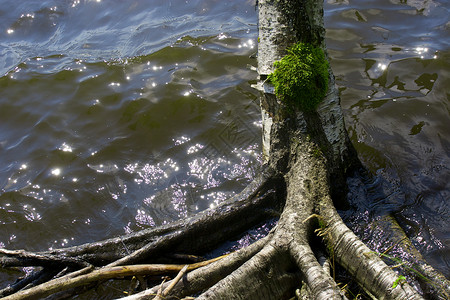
308 157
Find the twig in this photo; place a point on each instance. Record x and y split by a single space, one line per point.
167 290
70 281
160 290
154 290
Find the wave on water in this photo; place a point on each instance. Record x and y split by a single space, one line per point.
119 117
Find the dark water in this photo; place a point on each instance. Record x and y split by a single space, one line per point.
120 115
391 60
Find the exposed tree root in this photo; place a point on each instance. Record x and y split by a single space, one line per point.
309 156
203 278
433 283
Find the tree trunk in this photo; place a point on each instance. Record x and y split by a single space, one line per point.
308 157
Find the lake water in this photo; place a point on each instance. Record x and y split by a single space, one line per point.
120 115
391 60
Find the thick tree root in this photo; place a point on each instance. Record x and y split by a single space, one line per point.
365 265
29 281
433 283
269 263
24 258
286 247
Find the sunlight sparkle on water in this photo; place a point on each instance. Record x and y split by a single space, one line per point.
248 44
153 174
187 93
183 139
222 36
66 148
382 66
31 16
56 172
421 50
194 149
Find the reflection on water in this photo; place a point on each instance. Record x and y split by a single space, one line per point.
119 117
391 63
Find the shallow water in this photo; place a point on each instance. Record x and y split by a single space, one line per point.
120 115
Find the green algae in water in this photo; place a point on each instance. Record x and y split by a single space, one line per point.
301 77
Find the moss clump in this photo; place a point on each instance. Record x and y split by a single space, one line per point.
301 77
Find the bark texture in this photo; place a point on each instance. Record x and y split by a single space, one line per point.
308 156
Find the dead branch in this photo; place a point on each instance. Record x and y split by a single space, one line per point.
163 294
105 273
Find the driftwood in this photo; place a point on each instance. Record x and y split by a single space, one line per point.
309 156
87 276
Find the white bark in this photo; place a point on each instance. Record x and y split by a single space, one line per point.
365 266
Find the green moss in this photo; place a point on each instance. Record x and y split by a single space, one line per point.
317 153
301 77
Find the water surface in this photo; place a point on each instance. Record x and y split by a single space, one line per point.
120 115
391 62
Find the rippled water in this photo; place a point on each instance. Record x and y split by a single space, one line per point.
119 115
391 61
